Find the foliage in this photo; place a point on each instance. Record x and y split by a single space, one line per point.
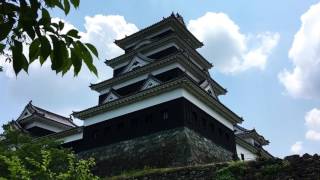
272 170
22 157
141 172
28 22
233 170
265 169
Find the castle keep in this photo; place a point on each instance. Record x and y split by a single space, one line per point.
161 108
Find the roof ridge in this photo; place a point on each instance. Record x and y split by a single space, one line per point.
163 19
159 60
36 108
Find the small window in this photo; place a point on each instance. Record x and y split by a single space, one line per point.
165 115
242 157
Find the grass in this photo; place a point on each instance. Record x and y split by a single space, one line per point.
225 171
149 171
228 172
141 172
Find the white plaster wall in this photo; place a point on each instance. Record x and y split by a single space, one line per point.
44 126
248 155
72 137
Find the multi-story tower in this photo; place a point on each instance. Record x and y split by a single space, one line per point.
160 85
161 108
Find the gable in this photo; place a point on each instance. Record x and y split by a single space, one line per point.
25 113
150 82
111 97
208 88
137 61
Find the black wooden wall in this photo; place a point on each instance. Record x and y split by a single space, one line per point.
176 113
38 132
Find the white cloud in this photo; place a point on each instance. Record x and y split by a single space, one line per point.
304 79
227 48
312 121
312 118
313 135
297 148
67 93
103 30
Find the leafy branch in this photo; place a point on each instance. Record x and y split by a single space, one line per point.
28 22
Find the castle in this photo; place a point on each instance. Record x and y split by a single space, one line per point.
161 108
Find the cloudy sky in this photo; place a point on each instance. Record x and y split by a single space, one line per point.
266 54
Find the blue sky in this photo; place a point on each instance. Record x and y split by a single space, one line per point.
272 83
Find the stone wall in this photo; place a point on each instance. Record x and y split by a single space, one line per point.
294 167
171 148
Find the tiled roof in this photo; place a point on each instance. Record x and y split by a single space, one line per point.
243 133
173 16
49 115
183 81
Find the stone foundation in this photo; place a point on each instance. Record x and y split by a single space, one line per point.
170 148
294 167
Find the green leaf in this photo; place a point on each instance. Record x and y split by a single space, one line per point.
45 13
9 8
35 5
50 3
30 31
66 66
19 61
64 52
66 6
86 56
61 25
58 4
76 62
68 39
73 33
34 50
45 19
59 54
42 60
5 29
75 3
45 48
2 46
92 49
56 25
